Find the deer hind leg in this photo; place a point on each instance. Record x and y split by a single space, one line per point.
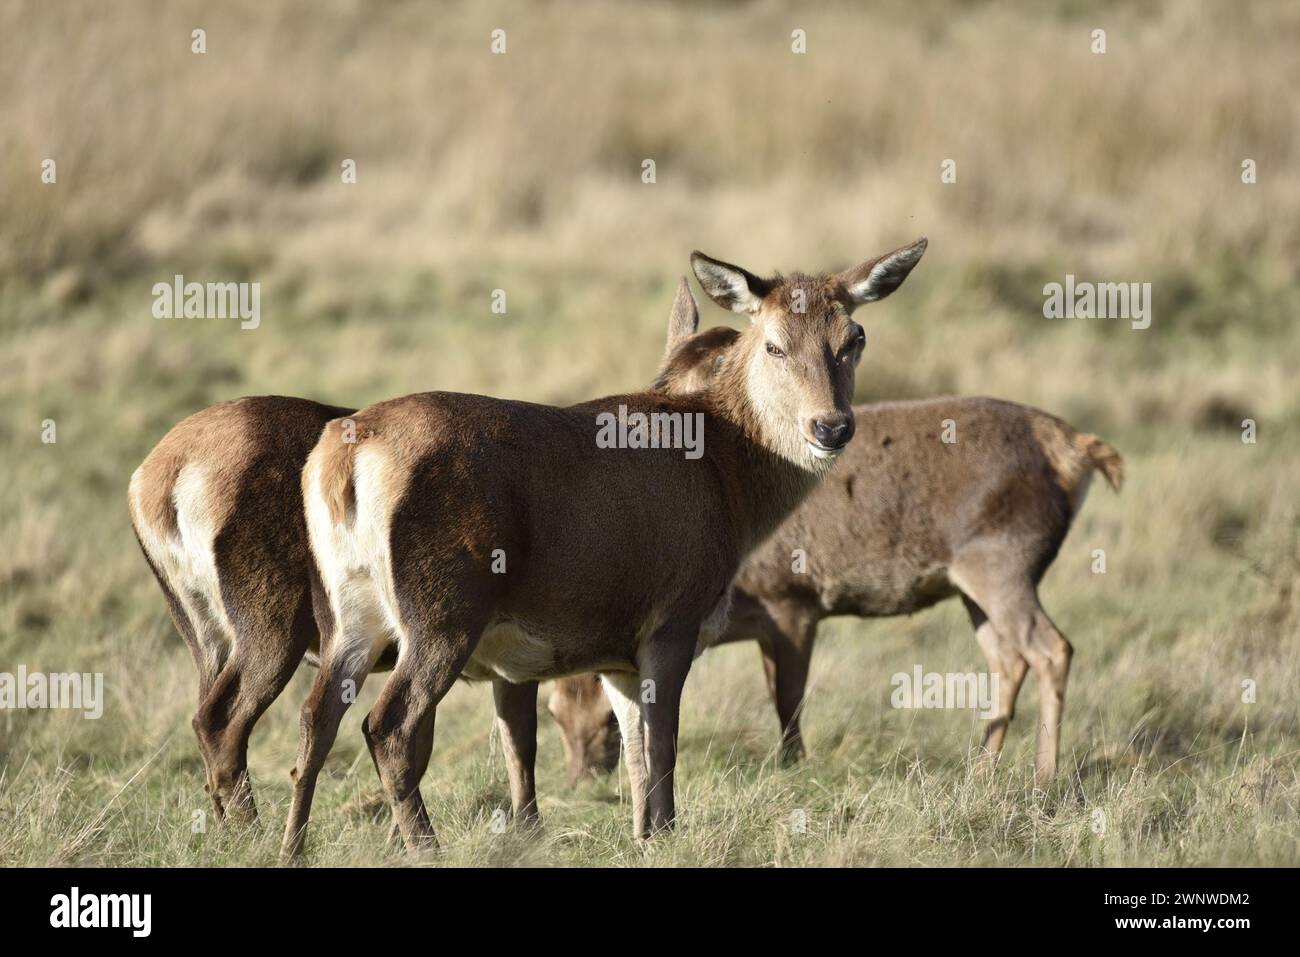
516 706
1012 607
623 691
210 643
205 664
347 657
399 729
1049 654
268 648
1009 665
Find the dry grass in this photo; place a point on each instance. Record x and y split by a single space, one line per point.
522 172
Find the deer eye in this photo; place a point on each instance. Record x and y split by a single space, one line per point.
774 352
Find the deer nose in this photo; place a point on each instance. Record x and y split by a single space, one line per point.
833 431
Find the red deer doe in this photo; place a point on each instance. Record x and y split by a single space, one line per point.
217 508
498 540
903 521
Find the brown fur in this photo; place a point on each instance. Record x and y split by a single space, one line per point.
616 557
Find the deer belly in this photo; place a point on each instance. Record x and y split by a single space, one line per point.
519 650
513 650
890 591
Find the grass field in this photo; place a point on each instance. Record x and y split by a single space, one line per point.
522 172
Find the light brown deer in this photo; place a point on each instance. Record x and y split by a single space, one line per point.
499 540
903 521
217 508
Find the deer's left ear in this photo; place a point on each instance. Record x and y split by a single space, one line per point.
877 278
683 320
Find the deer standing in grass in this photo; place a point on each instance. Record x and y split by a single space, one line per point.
217 508
903 521
497 540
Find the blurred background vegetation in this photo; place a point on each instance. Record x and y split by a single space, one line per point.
522 172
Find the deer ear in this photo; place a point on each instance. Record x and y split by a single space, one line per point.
683 320
877 278
729 286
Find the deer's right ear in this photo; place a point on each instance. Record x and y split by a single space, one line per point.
729 286
684 320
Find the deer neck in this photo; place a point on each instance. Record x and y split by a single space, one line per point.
766 485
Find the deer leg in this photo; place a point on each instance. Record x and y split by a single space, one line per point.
208 642
343 670
1049 654
769 670
205 665
399 728
1012 606
264 660
516 706
792 630
664 661
623 691
1010 667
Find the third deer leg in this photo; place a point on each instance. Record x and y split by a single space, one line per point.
336 686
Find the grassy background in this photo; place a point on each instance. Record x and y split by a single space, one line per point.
522 172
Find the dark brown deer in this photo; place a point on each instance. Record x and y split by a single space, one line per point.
903 521
498 540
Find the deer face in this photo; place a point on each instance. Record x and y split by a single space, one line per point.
588 729
800 353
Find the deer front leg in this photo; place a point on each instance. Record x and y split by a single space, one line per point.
664 662
623 691
516 706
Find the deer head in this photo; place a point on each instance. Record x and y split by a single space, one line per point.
793 367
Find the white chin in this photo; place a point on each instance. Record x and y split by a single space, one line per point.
820 453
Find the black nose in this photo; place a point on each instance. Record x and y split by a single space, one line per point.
833 431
